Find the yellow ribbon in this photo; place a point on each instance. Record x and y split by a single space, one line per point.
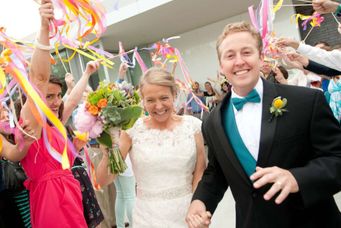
105 63
297 17
49 114
64 60
278 6
2 81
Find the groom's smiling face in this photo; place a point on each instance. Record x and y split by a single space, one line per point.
240 61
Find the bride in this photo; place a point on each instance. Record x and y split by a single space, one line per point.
167 155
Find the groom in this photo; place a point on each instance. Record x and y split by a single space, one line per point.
283 167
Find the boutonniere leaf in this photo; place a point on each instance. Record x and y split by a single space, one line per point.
278 107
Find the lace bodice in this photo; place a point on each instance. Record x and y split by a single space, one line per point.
164 160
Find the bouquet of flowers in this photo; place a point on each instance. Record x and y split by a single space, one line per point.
109 109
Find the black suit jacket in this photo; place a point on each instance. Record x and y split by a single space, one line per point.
321 69
306 140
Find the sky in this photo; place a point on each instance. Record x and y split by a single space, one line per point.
19 17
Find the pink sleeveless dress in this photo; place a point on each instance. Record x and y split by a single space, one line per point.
55 195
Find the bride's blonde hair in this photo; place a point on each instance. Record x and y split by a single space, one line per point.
160 77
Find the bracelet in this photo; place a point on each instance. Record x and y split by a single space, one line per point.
42 46
338 10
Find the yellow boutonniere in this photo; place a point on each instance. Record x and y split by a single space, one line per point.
277 106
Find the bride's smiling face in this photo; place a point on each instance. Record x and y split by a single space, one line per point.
158 101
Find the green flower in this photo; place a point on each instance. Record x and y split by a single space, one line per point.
278 106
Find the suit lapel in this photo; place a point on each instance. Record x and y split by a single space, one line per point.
268 125
226 147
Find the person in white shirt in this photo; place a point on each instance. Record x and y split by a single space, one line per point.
330 59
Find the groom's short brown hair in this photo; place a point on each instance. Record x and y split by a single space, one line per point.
235 28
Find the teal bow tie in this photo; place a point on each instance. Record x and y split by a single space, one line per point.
253 96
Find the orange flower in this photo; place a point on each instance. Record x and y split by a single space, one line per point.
102 103
93 110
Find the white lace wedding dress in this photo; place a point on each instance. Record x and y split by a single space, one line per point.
163 163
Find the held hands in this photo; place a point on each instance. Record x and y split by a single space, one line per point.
197 216
283 181
46 12
325 6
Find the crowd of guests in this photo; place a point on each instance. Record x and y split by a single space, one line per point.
275 143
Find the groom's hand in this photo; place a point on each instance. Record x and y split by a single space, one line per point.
197 216
283 182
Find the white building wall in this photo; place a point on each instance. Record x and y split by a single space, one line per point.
129 8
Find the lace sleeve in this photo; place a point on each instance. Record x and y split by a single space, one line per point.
196 124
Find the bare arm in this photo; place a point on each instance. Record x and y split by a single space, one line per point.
122 72
200 165
14 152
70 83
40 63
103 175
77 92
7 149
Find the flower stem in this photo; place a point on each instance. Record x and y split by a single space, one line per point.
116 162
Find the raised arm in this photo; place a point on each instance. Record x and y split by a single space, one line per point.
40 69
39 73
77 92
122 72
70 84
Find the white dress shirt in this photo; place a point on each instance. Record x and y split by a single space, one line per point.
249 120
330 59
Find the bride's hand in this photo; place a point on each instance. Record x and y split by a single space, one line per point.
196 221
197 216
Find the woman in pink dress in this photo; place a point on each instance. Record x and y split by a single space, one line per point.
55 195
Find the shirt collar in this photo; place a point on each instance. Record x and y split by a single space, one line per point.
258 88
